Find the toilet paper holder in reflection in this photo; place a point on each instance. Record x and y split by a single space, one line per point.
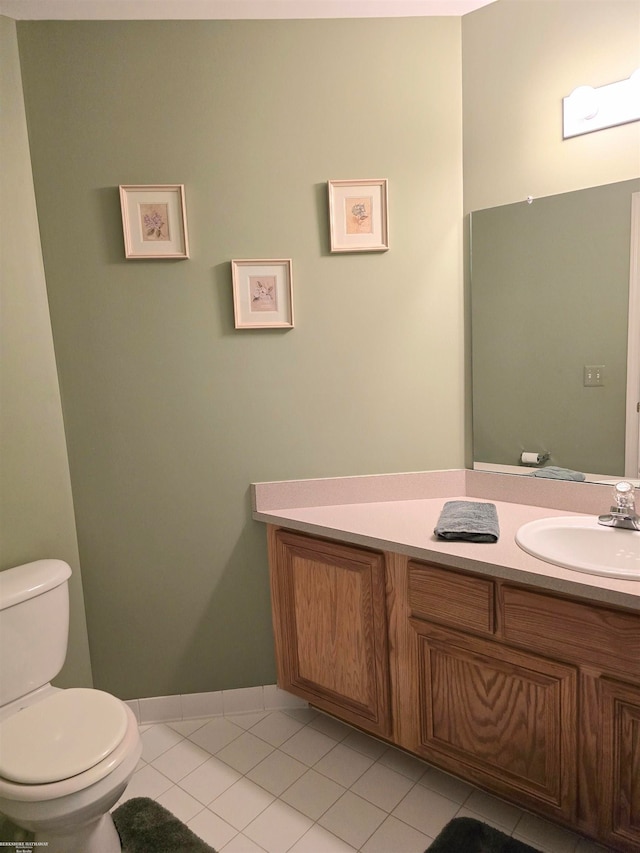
533 459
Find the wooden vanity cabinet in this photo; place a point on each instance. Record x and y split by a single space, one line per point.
330 627
604 643
501 717
532 695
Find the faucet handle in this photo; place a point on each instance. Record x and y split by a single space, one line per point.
624 495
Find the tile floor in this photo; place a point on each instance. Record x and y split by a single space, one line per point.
298 781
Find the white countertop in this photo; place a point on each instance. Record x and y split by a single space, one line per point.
388 512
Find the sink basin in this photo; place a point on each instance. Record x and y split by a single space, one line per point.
581 544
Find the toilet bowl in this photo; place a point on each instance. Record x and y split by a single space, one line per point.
71 812
66 756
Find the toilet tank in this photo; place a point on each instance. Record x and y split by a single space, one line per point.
34 626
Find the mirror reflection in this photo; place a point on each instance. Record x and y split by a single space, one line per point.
549 326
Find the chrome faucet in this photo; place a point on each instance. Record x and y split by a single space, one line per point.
623 512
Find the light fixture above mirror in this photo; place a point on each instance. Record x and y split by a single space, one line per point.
587 108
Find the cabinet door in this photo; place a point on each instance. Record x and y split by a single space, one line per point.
620 756
330 625
502 718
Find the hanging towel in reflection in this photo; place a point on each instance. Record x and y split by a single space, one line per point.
470 521
554 473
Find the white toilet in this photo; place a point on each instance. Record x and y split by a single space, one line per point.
66 756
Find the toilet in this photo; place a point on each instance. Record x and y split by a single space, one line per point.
66 756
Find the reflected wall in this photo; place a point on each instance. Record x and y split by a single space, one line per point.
549 296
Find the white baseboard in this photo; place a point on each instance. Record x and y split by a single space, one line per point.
193 706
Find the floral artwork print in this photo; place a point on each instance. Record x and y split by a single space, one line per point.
263 293
154 221
358 215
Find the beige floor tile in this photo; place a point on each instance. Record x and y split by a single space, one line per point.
308 746
216 734
276 728
546 836
494 810
313 794
382 786
278 827
157 739
212 829
180 760
319 840
344 765
425 810
244 752
352 819
180 804
241 803
277 772
210 780
394 835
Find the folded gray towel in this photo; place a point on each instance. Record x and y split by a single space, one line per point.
552 472
471 521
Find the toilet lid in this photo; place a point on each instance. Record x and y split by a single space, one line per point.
60 736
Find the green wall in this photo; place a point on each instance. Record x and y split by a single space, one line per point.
36 508
170 413
520 59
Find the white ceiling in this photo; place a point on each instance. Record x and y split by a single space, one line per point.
231 9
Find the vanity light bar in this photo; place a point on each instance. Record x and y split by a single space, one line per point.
588 108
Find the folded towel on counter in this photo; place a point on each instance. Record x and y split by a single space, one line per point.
554 473
470 521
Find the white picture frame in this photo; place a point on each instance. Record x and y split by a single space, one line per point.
154 221
262 293
358 215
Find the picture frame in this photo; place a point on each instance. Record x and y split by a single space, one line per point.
154 221
263 293
358 215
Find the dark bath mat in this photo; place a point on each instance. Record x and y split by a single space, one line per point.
145 826
466 835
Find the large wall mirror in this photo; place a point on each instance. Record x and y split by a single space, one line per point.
550 331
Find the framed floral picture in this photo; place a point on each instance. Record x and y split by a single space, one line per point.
262 294
154 221
358 217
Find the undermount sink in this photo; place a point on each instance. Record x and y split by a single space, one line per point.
581 544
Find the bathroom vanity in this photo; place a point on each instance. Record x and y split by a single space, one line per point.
514 674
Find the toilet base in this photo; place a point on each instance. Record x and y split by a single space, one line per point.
98 836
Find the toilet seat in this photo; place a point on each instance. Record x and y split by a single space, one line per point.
118 764
64 734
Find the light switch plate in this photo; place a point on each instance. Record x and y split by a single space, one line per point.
593 375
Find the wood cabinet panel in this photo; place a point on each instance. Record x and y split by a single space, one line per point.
576 632
451 597
324 596
620 769
506 716
331 629
402 651
589 725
